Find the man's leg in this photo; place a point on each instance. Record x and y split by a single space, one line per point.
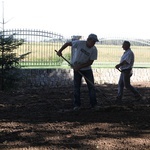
92 92
77 85
120 87
128 85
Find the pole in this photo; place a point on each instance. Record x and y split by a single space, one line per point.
2 42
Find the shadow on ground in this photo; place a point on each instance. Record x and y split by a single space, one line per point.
43 118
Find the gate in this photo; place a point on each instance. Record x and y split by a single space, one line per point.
41 44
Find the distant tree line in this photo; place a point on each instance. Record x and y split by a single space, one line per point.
137 42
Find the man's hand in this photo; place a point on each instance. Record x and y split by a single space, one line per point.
117 66
76 68
121 64
59 53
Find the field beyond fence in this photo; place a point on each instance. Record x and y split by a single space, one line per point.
42 45
43 55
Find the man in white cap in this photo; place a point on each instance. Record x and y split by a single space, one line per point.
83 55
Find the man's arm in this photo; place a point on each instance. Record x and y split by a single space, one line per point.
78 67
59 53
121 64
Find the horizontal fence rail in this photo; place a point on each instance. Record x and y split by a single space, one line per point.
42 46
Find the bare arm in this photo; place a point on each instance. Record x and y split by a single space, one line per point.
121 64
59 53
78 67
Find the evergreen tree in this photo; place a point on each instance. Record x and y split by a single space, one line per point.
9 60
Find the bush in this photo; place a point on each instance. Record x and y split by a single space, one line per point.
9 61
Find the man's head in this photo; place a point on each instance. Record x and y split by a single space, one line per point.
126 45
91 40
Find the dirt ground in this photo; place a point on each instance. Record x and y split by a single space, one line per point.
39 119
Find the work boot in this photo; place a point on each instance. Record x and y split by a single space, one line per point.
77 108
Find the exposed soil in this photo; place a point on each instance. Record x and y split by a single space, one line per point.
41 119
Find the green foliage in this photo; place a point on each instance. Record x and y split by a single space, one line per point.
68 56
9 61
58 60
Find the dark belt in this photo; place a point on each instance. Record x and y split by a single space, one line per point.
126 70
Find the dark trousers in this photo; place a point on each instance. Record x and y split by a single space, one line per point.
124 81
77 84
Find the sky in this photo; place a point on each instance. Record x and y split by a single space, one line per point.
106 18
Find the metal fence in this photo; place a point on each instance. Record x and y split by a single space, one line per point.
42 45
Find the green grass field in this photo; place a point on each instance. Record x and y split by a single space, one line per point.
44 55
